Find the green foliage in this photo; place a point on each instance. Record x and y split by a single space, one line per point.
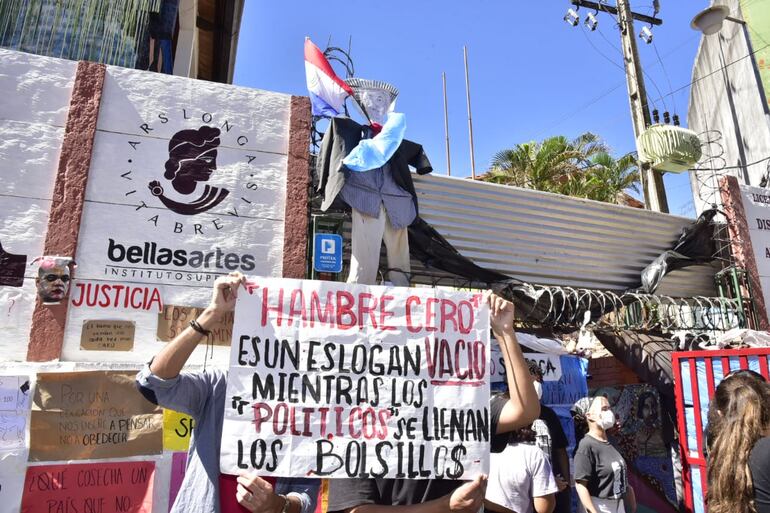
582 167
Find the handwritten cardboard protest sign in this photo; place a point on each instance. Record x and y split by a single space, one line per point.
15 401
107 335
174 319
335 380
97 487
84 415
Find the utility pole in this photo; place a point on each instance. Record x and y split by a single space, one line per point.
470 119
446 127
652 181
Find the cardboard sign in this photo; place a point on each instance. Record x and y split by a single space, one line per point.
104 335
123 487
335 380
177 428
174 319
91 415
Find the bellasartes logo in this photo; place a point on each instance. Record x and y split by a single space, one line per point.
192 158
149 253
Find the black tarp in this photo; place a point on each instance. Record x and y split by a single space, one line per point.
696 245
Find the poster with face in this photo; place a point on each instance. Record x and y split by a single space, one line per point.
53 279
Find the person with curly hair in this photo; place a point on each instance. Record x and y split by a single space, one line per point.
739 445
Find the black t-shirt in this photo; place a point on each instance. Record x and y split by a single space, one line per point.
602 468
557 439
348 493
759 465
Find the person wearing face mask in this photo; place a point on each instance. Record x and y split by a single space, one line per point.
601 474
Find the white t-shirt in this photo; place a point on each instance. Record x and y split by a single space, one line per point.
517 475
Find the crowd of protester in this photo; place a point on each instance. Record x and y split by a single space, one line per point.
529 466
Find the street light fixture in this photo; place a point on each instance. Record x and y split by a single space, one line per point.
645 35
591 22
709 21
572 17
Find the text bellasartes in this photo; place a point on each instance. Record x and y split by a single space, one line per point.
150 254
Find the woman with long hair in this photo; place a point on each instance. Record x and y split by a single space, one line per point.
739 446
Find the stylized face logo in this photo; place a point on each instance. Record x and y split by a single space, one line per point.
192 158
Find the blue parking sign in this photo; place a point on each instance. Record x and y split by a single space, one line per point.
327 253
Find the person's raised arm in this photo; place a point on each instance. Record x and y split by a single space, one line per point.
171 359
523 406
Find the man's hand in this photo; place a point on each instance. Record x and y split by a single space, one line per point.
469 497
225 292
501 314
561 483
257 495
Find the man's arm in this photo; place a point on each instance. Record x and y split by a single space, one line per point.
585 496
258 496
523 406
545 504
561 467
171 359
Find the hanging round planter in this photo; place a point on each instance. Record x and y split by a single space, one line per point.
669 148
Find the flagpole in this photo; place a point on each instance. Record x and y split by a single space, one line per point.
470 120
446 127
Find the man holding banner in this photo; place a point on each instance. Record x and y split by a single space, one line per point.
202 396
519 408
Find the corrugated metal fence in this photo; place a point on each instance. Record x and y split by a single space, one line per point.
550 239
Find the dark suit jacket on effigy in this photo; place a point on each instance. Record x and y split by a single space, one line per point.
343 135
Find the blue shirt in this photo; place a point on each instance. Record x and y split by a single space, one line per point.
202 396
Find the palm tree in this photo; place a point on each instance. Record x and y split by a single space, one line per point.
608 177
582 167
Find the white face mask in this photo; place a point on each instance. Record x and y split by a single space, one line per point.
606 420
538 390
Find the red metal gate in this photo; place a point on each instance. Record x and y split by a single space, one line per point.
696 375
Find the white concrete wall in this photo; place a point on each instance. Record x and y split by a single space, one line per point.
251 164
709 109
34 98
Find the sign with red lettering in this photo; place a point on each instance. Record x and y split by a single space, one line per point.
124 487
342 381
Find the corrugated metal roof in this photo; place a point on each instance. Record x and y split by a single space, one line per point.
550 239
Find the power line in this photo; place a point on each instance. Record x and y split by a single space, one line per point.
605 94
715 71
654 84
665 73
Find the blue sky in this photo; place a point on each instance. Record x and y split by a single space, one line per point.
532 75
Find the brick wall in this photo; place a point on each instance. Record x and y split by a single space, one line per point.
609 371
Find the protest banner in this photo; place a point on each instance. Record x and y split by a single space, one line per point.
84 415
116 487
335 380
